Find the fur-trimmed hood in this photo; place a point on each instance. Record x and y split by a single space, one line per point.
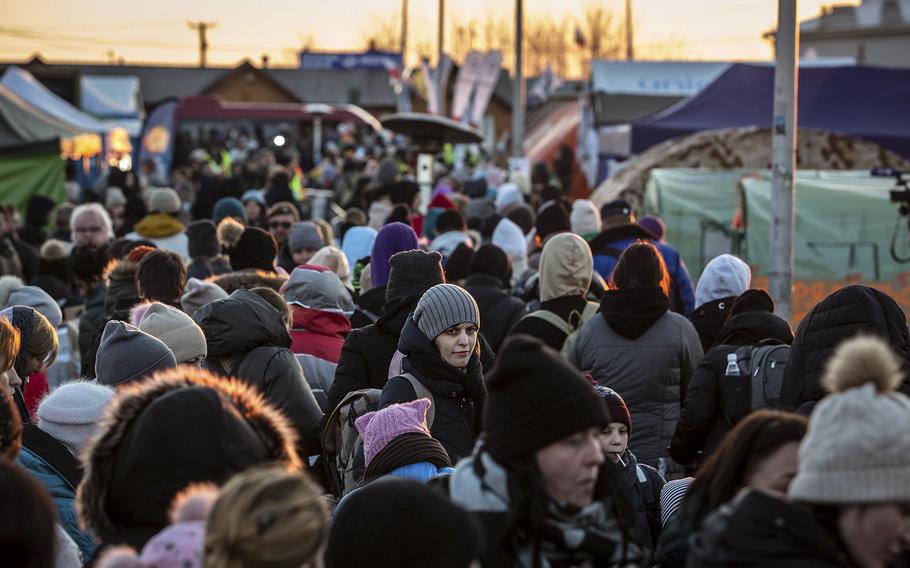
247 279
137 462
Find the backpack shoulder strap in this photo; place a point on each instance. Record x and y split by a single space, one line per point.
553 319
422 392
590 309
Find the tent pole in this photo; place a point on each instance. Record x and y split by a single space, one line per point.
783 157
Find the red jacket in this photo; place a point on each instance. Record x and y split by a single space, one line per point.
318 333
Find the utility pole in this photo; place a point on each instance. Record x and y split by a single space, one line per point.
439 55
404 34
630 45
518 100
783 158
202 28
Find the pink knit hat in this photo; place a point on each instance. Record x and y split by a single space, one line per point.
381 427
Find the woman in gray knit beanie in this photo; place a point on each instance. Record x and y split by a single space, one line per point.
441 362
849 504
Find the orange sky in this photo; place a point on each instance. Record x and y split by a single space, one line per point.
157 32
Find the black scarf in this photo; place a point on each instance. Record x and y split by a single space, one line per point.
424 362
632 312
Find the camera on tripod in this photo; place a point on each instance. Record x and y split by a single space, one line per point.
901 192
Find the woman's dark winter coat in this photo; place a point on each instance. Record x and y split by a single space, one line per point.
844 314
703 421
458 396
499 310
250 339
645 353
757 530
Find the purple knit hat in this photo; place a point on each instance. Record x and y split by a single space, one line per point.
654 225
393 238
381 427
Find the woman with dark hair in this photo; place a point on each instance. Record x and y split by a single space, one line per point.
759 453
441 361
37 349
538 481
641 350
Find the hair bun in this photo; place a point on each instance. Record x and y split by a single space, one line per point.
862 360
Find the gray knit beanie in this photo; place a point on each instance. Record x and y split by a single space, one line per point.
444 306
176 330
305 235
128 354
857 449
72 413
198 293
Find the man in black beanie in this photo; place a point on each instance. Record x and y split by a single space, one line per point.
368 350
490 272
204 251
538 479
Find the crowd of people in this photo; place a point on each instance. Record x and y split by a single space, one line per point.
210 374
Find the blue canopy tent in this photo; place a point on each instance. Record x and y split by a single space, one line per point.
867 102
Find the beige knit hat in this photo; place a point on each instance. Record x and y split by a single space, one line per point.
176 330
857 449
163 200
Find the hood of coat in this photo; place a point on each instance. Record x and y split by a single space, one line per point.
725 276
566 267
239 323
448 242
317 321
159 226
122 294
750 328
247 279
317 289
109 459
632 312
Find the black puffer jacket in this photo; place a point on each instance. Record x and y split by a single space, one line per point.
248 338
702 423
369 306
844 314
644 484
458 396
757 530
499 310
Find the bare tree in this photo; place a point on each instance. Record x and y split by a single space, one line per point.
385 33
547 43
602 36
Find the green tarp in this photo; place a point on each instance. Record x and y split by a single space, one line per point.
844 221
31 170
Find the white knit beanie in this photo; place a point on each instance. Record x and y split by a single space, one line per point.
176 330
72 413
585 218
857 448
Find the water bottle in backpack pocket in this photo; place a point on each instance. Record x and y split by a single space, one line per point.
753 379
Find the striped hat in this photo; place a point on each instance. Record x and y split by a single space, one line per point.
444 306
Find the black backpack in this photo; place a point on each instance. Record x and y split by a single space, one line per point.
759 382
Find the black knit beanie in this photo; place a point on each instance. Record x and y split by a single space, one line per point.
399 522
413 272
458 263
536 398
552 218
202 240
616 406
491 260
752 301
